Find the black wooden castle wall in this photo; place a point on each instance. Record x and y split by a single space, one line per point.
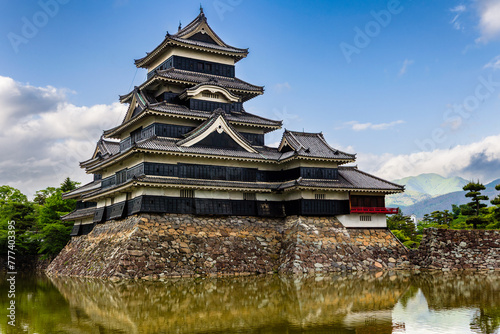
195 65
220 207
224 173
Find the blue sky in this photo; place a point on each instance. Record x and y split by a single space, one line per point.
411 86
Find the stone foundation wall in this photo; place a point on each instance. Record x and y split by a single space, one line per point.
169 245
458 250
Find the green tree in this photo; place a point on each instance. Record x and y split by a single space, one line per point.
53 233
11 194
496 202
68 185
14 206
404 229
475 206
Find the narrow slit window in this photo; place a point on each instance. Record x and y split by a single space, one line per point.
187 193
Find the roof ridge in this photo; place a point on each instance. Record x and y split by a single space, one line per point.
320 135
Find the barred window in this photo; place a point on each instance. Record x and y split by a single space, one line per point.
365 218
187 193
319 196
210 95
249 196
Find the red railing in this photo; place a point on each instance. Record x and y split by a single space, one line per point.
362 209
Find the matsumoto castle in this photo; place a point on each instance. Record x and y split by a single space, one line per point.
187 146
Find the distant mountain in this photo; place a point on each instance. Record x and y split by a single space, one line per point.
432 184
444 202
424 187
409 197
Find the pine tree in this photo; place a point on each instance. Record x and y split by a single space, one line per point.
475 206
496 202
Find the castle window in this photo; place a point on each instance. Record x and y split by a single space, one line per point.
210 95
365 218
187 193
200 66
249 196
319 196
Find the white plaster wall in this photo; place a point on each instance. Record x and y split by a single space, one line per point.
85 221
353 220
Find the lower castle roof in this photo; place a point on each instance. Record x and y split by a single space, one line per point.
350 179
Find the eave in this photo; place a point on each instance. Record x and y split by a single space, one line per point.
115 132
170 42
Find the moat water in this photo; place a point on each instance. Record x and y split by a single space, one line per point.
398 302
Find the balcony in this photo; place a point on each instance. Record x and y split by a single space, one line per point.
362 209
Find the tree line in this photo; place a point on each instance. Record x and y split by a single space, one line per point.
38 225
474 215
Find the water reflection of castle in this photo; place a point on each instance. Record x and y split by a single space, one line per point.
329 304
273 304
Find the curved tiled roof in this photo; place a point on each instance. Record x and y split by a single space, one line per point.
350 178
197 78
78 214
82 190
313 145
179 39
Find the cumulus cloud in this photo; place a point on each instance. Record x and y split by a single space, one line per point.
356 126
405 66
489 22
476 160
44 137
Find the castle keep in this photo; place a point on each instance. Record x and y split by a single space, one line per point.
186 185
187 146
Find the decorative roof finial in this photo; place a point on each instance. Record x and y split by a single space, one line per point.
180 26
201 9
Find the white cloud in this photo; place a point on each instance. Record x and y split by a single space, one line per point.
489 23
494 63
44 137
356 126
405 66
479 160
458 11
282 87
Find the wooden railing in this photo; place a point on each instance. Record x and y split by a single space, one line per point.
362 209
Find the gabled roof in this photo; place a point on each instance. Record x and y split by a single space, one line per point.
311 145
104 149
211 86
216 123
182 39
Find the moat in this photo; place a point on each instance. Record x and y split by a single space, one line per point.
382 302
